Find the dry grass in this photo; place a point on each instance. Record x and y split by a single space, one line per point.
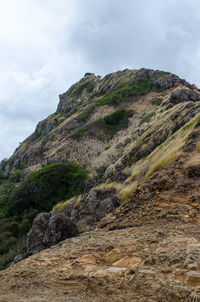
61 205
198 147
160 158
78 201
127 191
192 166
163 162
112 185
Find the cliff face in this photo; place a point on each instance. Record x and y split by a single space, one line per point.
137 132
76 131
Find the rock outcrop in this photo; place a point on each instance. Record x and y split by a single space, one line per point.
48 229
90 209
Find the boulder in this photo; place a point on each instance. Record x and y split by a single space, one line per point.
48 229
182 95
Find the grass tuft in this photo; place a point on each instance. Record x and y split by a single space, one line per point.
127 191
157 101
147 118
83 116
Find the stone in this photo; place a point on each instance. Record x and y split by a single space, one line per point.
193 278
48 229
128 261
87 259
113 256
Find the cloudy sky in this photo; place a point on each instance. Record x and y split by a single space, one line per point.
47 45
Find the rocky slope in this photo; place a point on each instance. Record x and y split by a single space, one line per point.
138 134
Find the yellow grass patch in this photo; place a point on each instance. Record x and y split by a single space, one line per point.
198 147
128 190
61 205
112 185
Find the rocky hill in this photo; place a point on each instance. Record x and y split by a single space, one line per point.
118 167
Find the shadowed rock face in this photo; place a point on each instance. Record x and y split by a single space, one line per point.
49 229
95 206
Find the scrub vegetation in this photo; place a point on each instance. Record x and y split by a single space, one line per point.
40 192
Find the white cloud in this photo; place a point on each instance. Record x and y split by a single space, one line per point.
48 45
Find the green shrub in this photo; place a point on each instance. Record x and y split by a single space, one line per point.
147 118
83 116
46 187
125 91
79 132
109 125
107 147
114 122
15 176
157 101
89 86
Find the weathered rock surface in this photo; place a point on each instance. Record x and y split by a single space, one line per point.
97 204
159 261
182 95
48 229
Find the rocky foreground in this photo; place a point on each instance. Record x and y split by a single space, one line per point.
156 260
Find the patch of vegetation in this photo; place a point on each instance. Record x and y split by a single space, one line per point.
20 204
188 126
147 118
125 91
197 122
15 177
198 146
79 132
46 187
107 147
157 101
192 167
89 86
109 125
83 116
132 159
61 205
112 123
163 162
127 191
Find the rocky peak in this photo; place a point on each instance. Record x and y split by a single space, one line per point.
119 161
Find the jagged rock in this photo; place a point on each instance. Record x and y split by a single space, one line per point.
49 229
95 206
182 95
44 127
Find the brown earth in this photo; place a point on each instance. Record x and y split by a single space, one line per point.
145 251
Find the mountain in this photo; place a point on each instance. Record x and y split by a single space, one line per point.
120 158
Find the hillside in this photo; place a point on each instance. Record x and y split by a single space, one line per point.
121 159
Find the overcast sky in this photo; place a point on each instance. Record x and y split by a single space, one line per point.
47 45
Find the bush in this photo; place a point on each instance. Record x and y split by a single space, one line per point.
110 125
127 90
114 122
83 116
15 176
46 187
157 101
